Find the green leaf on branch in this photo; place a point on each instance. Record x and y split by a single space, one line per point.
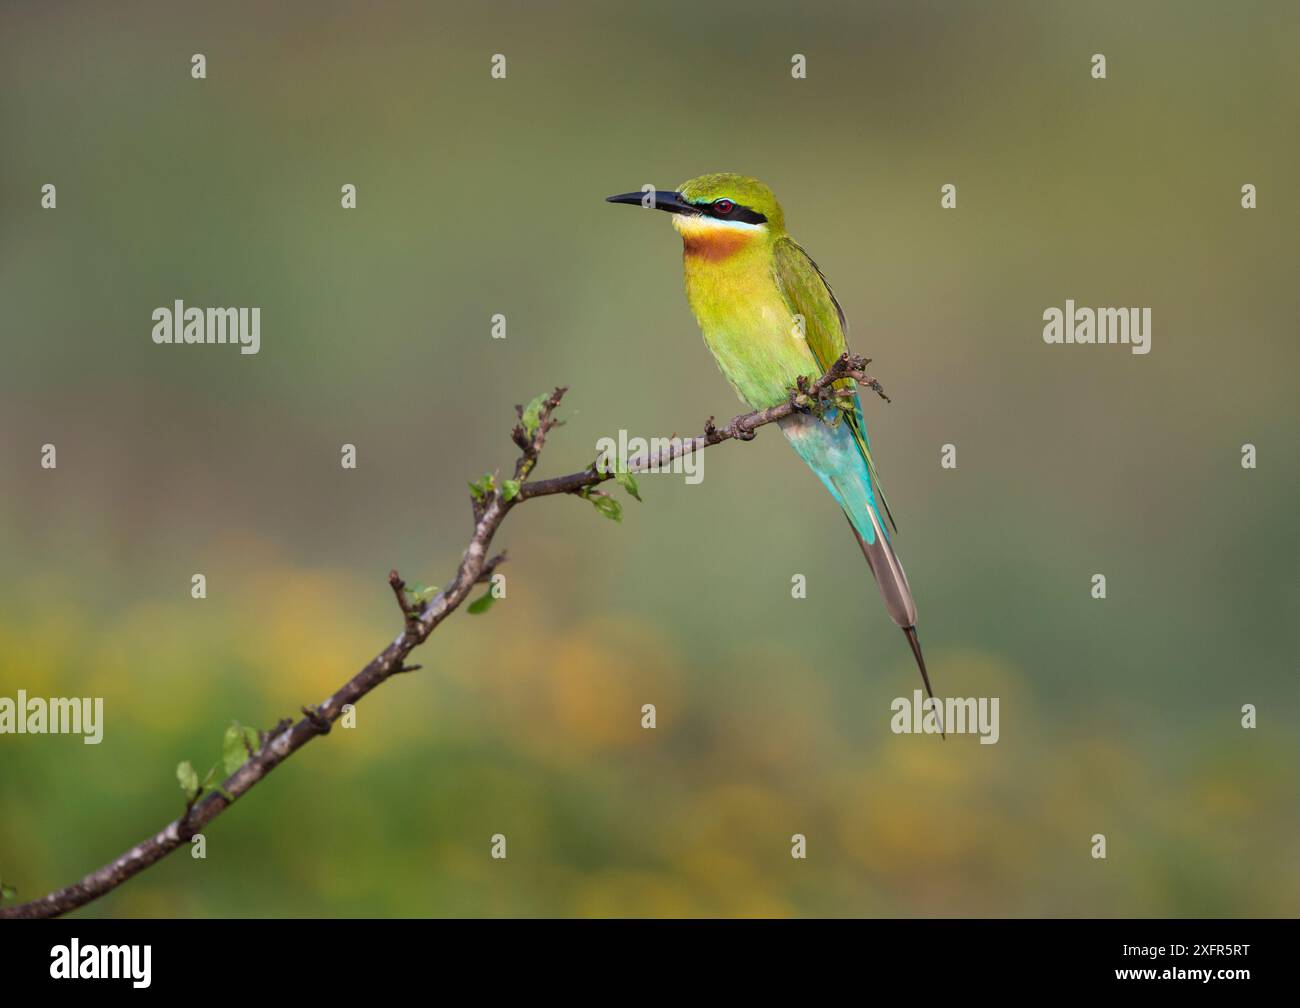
607 506
628 482
509 489
481 605
237 745
188 779
7 892
532 415
483 488
420 594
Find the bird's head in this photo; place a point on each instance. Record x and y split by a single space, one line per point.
717 215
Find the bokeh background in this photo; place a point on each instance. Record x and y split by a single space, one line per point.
481 196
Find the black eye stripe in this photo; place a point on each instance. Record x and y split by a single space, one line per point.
738 213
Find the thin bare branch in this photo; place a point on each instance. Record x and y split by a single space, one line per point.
420 620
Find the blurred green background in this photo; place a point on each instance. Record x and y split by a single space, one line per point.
480 196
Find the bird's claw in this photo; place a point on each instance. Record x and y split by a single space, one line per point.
799 398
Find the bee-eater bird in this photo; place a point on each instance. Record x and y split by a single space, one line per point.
769 317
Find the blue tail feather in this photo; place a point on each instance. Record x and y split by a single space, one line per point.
831 452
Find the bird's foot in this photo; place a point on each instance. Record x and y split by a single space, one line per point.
801 396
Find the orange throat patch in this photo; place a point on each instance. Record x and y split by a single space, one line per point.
712 242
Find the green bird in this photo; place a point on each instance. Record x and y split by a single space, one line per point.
769 317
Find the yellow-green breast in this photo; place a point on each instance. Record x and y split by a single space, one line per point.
746 321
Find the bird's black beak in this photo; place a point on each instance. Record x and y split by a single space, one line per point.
661 199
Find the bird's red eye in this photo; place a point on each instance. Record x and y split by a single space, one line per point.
723 206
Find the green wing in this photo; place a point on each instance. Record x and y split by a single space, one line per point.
808 294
